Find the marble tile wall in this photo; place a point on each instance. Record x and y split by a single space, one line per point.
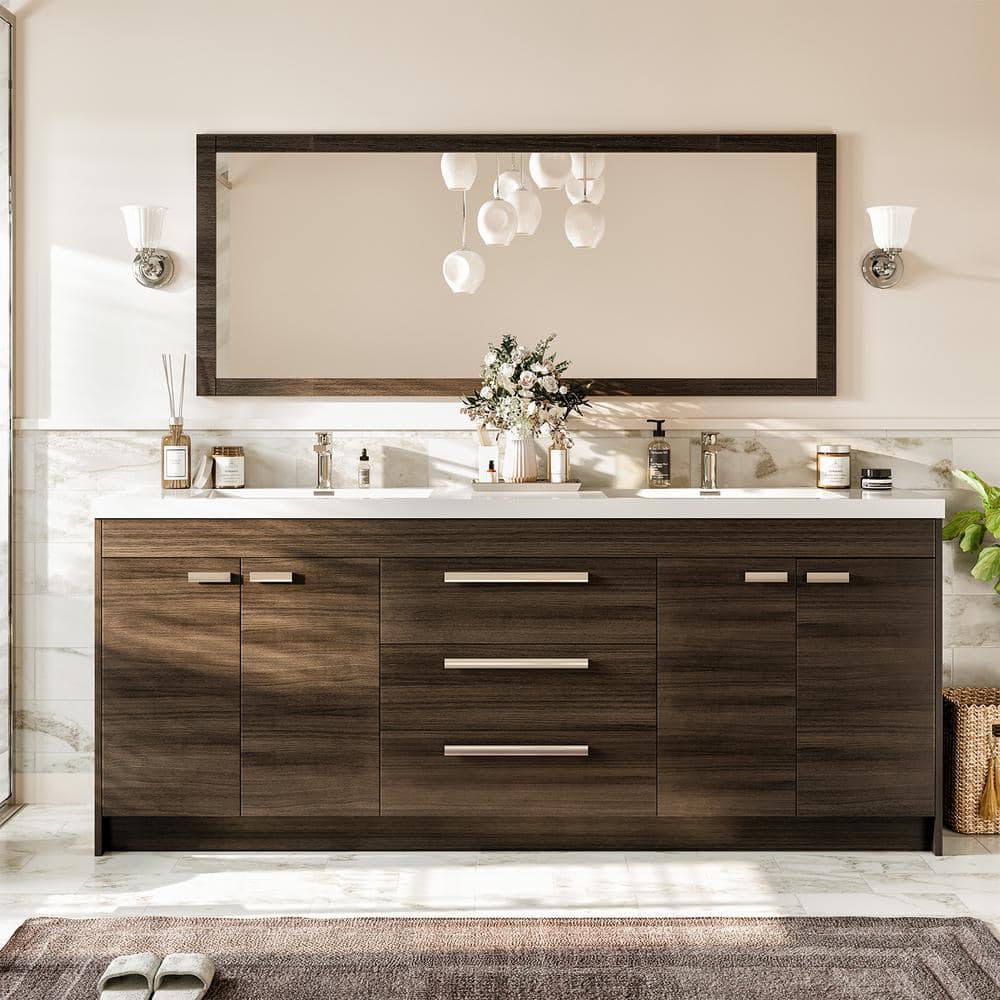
60 474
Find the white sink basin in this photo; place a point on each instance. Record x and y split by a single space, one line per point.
758 493
374 493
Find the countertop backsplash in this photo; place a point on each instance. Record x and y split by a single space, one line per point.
59 474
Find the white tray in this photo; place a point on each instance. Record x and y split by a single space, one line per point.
570 487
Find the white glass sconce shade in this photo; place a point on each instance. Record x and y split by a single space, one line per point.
143 225
464 271
497 222
528 207
459 170
595 190
587 165
584 225
891 225
549 170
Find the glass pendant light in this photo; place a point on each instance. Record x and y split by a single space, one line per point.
586 166
584 221
463 269
595 190
510 180
497 219
459 170
549 170
527 204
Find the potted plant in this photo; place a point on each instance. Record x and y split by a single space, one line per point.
524 394
971 528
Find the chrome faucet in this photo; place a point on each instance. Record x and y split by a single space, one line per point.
709 462
324 460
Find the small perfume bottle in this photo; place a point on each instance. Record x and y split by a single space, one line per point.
364 470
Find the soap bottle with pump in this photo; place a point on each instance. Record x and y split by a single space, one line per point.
658 458
364 470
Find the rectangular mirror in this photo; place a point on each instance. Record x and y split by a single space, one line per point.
320 263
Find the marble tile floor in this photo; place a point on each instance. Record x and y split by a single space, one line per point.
47 868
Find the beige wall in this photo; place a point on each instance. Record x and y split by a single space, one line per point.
112 92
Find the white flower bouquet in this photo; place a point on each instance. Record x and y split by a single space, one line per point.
524 391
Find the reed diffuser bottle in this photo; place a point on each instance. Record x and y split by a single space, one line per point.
175 445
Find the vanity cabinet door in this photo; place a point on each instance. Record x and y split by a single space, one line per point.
726 687
866 687
310 705
169 698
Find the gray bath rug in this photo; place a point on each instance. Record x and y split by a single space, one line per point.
522 959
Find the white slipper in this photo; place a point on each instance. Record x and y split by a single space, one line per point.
129 977
183 976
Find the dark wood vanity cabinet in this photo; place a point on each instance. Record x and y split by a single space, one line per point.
309 701
168 692
726 692
867 688
601 684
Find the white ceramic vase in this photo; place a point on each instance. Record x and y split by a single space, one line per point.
520 462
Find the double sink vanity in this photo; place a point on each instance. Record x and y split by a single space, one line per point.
440 669
398 669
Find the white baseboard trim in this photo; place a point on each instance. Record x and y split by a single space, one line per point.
53 789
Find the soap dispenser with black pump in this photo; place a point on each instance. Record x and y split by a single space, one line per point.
658 462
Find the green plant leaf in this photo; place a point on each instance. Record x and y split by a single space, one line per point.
972 538
971 479
988 564
959 522
993 521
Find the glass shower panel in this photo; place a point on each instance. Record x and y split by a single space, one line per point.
6 439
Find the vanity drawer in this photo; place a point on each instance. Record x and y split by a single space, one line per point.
559 686
524 773
528 601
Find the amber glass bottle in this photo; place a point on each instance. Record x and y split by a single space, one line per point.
175 457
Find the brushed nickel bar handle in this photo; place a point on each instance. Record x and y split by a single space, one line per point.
272 578
530 576
750 577
210 577
828 577
518 750
517 663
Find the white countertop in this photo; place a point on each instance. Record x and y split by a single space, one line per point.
795 502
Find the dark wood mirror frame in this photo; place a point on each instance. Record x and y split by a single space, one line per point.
823 145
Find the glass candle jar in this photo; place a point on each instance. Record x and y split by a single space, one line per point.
833 466
229 468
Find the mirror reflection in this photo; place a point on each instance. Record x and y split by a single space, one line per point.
403 265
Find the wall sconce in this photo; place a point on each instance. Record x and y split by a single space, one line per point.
883 267
151 267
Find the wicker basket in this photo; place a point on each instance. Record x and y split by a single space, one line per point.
969 717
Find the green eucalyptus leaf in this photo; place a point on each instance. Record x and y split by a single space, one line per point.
988 564
972 538
972 480
959 522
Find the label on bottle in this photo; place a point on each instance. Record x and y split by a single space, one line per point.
659 466
364 475
229 471
175 462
